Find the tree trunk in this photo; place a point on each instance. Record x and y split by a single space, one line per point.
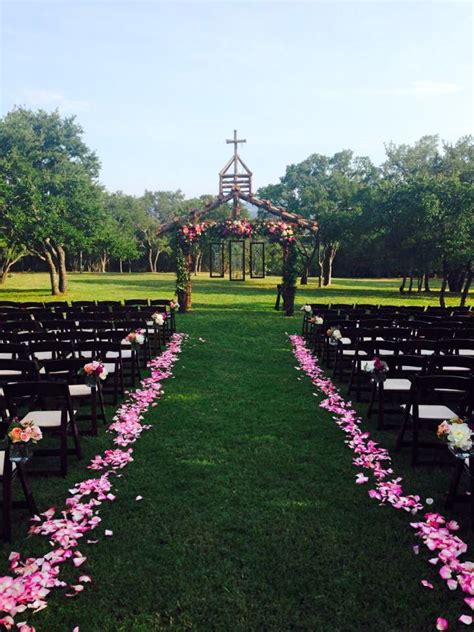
197 262
467 285
444 283
80 262
121 266
456 279
401 289
62 269
103 262
320 251
410 286
5 268
308 260
330 253
155 260
151 265
420 283
427 282
304 275
53 273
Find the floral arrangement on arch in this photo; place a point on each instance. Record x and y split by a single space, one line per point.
237 228
281 233
189 233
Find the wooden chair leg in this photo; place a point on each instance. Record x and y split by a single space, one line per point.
414 447
453 487
94 411
76 439
7 510
381 408
102 405
471 499
372 400
30 501
63 452
401 433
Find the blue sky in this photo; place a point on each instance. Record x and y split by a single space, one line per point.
159 86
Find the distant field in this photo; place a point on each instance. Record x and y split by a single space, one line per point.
238 294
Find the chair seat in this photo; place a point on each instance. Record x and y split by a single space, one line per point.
43 355
409 367
79 390
455 368
110 367
433 411
397 384
126 354
8 372
2 463
386 352
45 418
466 352
426 351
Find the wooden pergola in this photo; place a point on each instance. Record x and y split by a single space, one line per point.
235 184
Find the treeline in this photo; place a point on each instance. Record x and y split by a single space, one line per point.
55 214
413 216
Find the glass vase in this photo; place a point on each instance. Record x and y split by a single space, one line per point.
20 452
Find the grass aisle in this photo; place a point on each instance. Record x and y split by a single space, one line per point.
250 518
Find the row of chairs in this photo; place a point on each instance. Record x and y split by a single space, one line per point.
40 378
426 380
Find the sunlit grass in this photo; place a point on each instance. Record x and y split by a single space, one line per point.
250 518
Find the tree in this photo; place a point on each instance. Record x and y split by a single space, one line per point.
50 179
156 208
327 189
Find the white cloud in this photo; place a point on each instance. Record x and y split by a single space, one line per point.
51 100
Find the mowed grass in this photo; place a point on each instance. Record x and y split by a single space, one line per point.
250 518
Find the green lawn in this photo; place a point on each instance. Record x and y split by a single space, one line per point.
251 519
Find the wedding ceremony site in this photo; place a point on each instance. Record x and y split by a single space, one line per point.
236 316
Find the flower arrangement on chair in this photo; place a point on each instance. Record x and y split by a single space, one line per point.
316 320
93 372
174 305
377 368
307 309
334 335
21 434
158 318
457 434
135 338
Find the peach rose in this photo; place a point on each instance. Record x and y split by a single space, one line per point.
15 435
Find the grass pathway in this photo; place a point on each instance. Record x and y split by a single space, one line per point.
250 518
